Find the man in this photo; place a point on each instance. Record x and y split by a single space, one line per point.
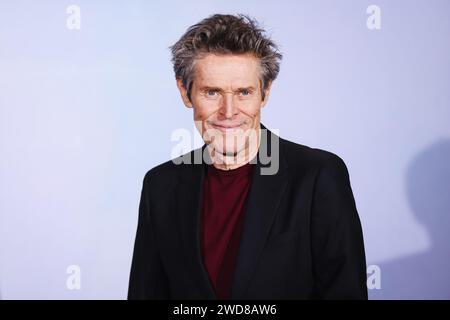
249 215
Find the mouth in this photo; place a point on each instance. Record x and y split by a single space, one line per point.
226 127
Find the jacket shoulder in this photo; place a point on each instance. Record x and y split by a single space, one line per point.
300 156
165 172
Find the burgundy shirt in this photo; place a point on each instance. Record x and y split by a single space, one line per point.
223 206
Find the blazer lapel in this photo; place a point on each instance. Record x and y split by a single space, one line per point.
263 199
265 193
187 201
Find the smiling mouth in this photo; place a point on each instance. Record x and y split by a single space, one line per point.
226 128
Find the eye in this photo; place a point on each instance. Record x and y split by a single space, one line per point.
245 92
210 93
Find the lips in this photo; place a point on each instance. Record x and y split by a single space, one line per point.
226 127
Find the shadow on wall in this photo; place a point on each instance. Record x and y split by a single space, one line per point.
425 275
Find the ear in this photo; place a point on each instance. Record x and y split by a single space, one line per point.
183 93
266 94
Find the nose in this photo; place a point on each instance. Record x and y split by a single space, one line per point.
228 108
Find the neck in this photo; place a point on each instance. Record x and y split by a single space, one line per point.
230 162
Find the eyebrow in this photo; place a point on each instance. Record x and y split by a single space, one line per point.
220 89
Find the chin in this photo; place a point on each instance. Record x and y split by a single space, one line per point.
229 151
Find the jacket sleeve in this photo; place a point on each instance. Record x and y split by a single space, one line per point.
147 277
339 262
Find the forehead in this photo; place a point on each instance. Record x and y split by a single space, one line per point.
227 70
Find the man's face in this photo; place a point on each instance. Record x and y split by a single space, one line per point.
226 98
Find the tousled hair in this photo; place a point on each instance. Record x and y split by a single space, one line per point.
225 34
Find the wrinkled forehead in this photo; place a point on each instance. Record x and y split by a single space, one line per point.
227 71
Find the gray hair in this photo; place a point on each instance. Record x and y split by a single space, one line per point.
225 34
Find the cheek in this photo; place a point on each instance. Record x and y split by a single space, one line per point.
199 112
202 113
197 115
252 111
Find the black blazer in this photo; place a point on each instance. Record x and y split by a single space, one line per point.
301 238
